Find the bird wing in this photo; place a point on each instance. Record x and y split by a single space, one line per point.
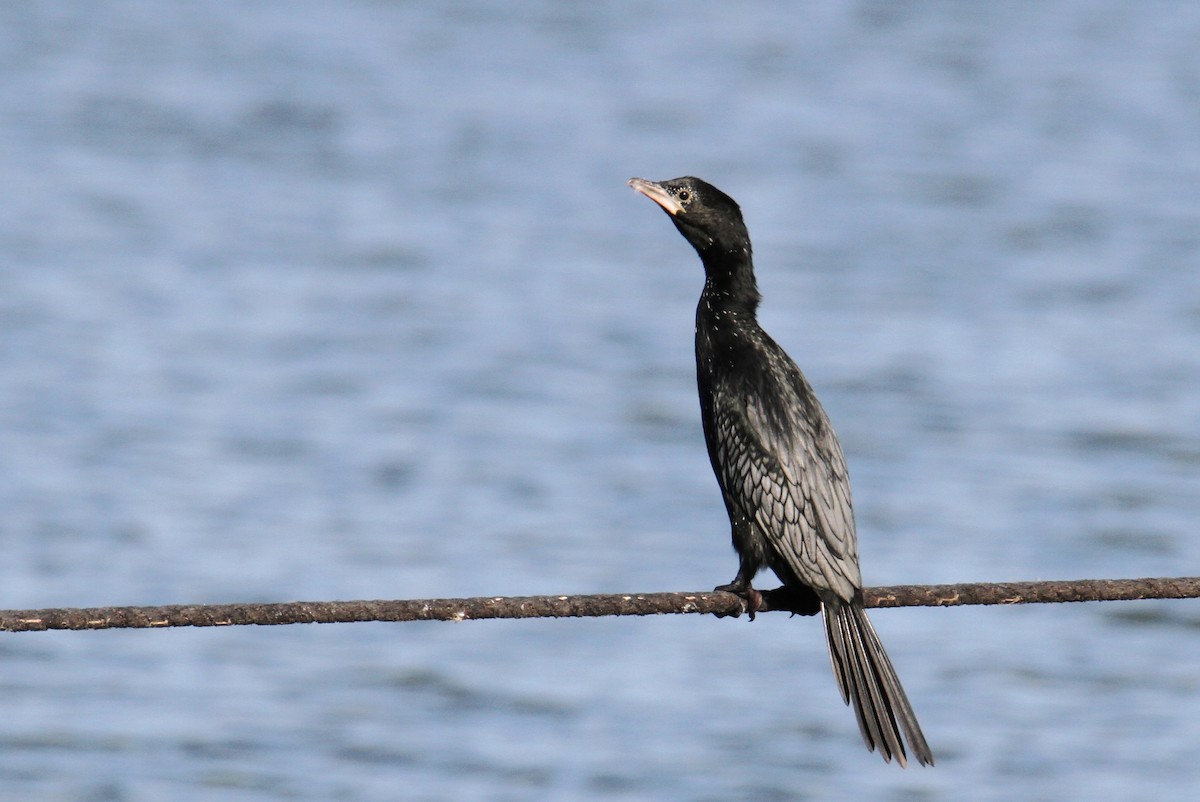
782 463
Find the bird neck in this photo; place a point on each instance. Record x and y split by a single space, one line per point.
729 281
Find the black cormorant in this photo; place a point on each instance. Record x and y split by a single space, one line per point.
780 466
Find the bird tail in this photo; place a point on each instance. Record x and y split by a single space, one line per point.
866 678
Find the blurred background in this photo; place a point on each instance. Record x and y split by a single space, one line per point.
340 301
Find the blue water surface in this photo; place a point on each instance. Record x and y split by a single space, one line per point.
338 301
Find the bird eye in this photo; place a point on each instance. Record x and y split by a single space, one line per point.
684 196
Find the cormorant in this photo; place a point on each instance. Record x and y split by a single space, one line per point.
780 466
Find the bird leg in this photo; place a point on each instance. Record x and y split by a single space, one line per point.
740 586
797 600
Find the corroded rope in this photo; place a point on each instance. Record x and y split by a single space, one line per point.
214 615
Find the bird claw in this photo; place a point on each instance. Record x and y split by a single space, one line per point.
752 600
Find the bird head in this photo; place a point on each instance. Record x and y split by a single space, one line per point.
708 218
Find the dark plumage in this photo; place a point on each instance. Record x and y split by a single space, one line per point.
779 464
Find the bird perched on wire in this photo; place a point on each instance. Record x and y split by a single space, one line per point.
780 466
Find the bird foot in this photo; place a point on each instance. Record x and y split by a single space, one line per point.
795 600
751 598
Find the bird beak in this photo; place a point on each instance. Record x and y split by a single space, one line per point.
656 193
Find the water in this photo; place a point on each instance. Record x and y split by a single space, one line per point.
351 301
